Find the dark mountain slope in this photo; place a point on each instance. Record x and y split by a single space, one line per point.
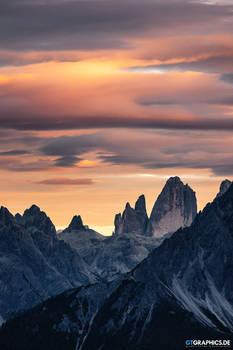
34 264
183 290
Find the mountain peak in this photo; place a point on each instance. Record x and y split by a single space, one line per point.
175 207
128 206
140 205
34 217
132 220
227 199
224 186
76 224
33 211
34 208
174 180
6 218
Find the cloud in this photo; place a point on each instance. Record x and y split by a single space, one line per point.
67 25
67 161
15 152
137 112
145 149
182 100
66 181
223 169
227 77
219 165
18 59
72 145
96 122
185 47
149 150
57 100
212 64
156 101
18 165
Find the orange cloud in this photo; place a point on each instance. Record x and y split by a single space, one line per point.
85 163
66 181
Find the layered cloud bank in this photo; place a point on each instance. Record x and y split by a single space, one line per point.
111 97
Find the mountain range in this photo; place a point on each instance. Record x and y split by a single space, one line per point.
34 263
179 286
135 234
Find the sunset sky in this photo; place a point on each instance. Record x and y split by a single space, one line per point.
101 101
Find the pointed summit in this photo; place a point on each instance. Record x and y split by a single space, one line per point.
224 187
6 218
128 206
34 217
141 213
174 180
140 205
132 220
175 207
76 225
33 210
124 223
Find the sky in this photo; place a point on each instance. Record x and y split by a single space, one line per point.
103 100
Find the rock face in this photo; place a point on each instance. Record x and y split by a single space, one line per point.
110 257
224 187
183 290
132 220
34 264
175 207
140 209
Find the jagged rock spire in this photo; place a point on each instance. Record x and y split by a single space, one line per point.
132 220
175 207
140 205
76 224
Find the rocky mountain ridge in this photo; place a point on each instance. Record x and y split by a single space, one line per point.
183 290
35 265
